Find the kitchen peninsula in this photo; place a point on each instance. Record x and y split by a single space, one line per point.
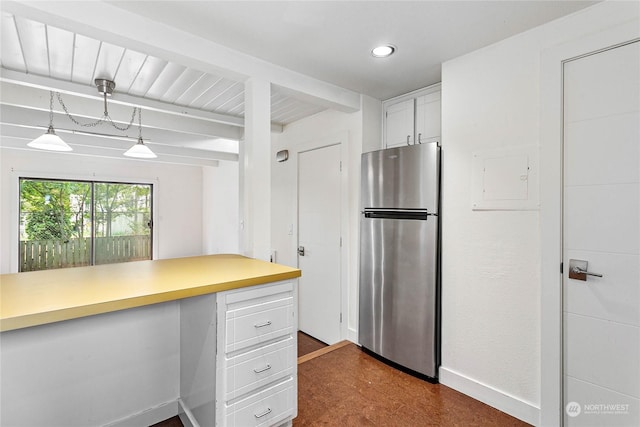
135 343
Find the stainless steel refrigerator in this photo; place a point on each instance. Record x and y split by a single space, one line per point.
399 256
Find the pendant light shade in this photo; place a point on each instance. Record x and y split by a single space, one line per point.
50 141
140 151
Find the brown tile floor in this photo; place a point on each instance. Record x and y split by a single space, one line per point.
308 344
171 422
347 387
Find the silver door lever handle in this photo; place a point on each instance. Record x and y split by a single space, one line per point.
578 270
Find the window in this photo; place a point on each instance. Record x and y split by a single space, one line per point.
78 223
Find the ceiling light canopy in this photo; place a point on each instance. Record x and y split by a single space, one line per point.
383 51
105 86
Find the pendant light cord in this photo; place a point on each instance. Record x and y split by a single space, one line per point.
50 109
103 119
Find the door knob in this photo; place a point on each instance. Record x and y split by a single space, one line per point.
578 270
301 250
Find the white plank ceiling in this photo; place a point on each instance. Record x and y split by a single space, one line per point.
39 49
64 46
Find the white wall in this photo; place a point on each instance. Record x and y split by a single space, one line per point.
178 195
491 278
315 131
220 224
94 370
100 369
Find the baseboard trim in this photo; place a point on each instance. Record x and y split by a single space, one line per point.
502 401
186 416
352 335
324 350
148 416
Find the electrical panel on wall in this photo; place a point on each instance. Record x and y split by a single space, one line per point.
505 179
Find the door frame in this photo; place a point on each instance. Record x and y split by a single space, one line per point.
551 211
340 139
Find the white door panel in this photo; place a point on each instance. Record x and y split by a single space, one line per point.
626 407
606 345
598 92
319 223
603 150
399 124
601 316
615 298
602 218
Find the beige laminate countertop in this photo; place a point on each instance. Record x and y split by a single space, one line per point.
41 297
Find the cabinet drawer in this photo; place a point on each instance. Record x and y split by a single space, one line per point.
269 407
255 324
259 367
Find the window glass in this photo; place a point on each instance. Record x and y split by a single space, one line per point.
78 223
122 222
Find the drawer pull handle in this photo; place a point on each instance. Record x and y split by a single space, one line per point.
266 368
262 325
267 412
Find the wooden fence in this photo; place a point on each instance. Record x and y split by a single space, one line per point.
47 254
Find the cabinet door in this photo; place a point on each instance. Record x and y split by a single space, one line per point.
399 120
428 117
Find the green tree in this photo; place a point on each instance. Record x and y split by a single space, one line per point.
129 201
46 208
47 225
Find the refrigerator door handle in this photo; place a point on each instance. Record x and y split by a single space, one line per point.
419 214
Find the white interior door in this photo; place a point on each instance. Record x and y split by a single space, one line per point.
319 213
601 315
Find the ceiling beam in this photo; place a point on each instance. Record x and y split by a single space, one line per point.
38 121
225 126
107 22
90 108
14 138
17 144
90 92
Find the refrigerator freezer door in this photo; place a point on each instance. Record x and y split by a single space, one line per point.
398 291
403 177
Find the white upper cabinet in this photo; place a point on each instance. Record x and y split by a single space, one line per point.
399 121
428 117
413 118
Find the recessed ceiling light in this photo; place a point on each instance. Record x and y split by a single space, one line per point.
383 51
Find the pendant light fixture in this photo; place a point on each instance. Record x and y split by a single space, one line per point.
50 141
139 150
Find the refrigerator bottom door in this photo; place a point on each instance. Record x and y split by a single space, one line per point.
398 298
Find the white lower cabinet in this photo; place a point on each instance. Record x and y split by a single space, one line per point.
256 375
259 367
239 361
266 407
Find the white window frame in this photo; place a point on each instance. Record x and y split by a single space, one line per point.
15 203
